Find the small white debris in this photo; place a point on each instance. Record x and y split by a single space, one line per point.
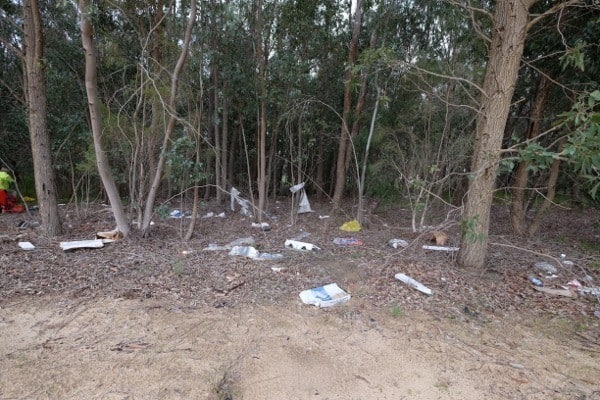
26 245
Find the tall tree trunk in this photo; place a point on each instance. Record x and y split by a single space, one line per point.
340 169
233 155
320 173
149 206
225 140
518 212
157 122
35 93
262 57
216 132
87 39
506 49
358 109
196 191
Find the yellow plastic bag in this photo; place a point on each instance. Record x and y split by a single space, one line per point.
351 226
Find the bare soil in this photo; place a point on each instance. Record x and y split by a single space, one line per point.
159 318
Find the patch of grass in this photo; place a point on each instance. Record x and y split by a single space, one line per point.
562 239
589 245
355 255
177 267
396 311
594 265
579 327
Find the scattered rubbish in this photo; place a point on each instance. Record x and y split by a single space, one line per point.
440 248
565 262
413 283
245 241
243 203
323 216
27 224
277 269
304 204
297 245
301 235
176 214
246 251
26 245
351 226
82 244
212 214
215 247
113 235
546 267
325 296
439 238
270 256
395 243
574 283
262 225
589 291
556 292
535 281
251 252
347 241
516 365
588 278
597 313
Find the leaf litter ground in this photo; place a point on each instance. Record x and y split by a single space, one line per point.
161 318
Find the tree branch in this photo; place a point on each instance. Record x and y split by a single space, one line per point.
552 10
13 48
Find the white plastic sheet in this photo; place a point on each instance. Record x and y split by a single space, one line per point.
324 296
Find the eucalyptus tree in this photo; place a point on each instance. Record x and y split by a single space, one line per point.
27 43
171 109
343 153
87 38
511 23
561 63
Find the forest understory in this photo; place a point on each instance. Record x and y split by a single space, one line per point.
149 312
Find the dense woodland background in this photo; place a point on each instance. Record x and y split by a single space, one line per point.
384 100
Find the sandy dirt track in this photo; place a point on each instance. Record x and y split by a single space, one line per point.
133 349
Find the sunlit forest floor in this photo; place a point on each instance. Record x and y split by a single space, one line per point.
160 317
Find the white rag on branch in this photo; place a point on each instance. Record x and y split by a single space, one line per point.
243 203
304 205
